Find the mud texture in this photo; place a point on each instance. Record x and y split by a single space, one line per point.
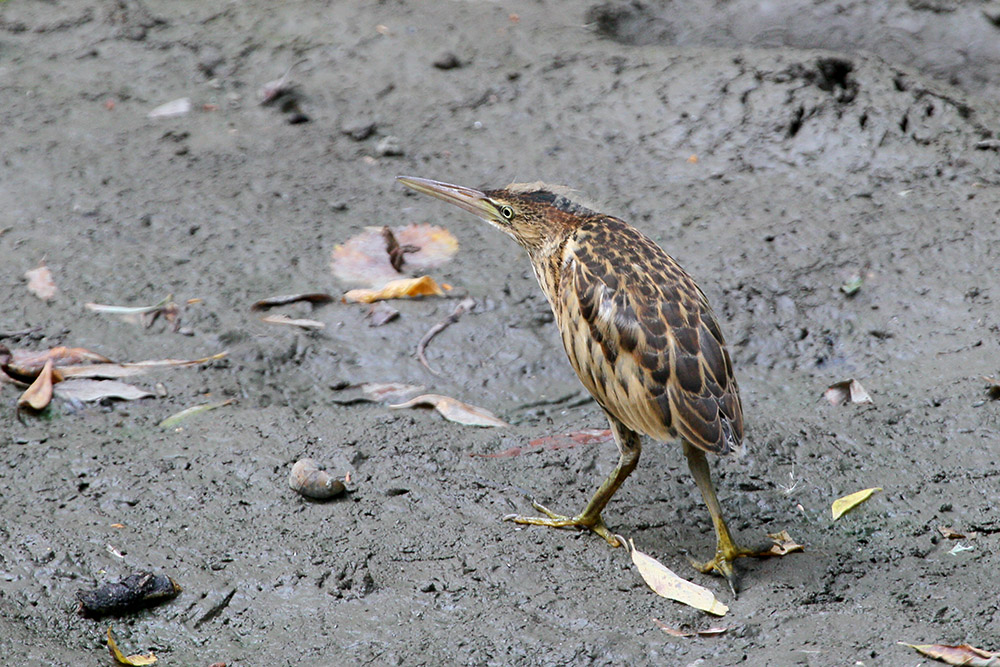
772 172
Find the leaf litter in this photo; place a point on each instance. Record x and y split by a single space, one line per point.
396 289
302 323
368 258
453 410
847 391
135 660
175 419
847 503
675 632
962 654
666 583
463 306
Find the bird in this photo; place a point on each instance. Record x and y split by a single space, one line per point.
638 331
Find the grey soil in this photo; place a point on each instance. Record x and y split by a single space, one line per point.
773 173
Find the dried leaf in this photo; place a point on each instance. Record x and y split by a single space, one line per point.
40 282
664 582
848 390
112 370
783 544
177 107
285 299
963 654
849 502
25 365
454 410
950 534
39 394
122 659
129 310
396 289
364 259
674 632
299 322
388 391
86 391
175 419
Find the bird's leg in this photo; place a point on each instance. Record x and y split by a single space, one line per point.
726 550
629 448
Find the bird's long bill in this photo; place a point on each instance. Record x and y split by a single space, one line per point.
473 201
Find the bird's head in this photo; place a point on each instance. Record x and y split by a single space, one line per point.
535 215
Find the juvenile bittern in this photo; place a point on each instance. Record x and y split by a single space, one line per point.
638 332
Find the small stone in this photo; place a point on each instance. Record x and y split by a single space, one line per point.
358 129
388 146
448 61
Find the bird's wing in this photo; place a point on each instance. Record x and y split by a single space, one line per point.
649 348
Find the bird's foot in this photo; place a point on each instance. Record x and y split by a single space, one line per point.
594 522
722 564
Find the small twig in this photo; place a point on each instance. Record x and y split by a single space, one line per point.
463 307
395 250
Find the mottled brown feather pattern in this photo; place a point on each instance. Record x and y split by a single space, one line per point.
650 350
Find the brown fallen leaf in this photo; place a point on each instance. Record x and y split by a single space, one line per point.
40 282
87 391
294 322
587 436
127 369
364 259
962 654
25 365
674 632
285 299
122 659
783 544
950 534
665 583
39 394
849 502
454 410
396 289
847 391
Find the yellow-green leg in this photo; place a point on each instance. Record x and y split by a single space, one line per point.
629 448
726 550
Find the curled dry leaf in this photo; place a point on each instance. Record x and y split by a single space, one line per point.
950 534
294 322
666 583
454 410
849 502
176 418
674 632
396 289
847 391
86 390
285 299
25 365
783 544
39 394
112 370
40 282
962 654
364 259
135 660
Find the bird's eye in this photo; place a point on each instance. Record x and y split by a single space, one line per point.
507 212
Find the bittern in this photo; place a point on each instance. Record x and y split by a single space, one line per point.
639 333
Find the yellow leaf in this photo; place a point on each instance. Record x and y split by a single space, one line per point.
963 654
123 659
667 584
847 503
396 289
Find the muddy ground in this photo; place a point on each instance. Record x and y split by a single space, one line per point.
773 173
